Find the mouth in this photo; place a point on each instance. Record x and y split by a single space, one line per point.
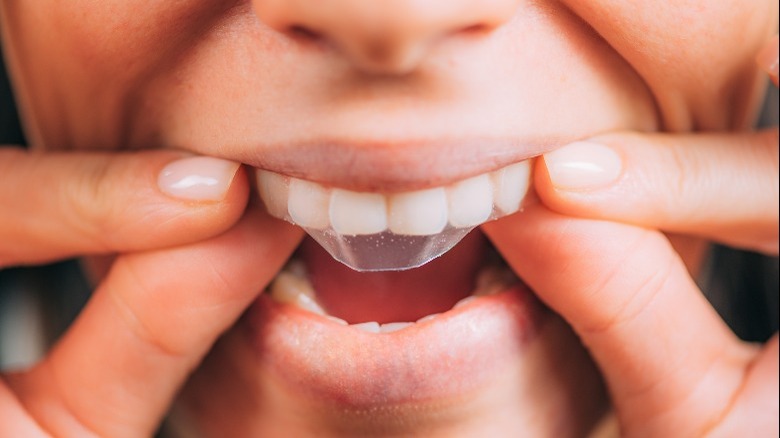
410 332
458 346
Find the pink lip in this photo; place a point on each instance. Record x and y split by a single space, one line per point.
384 165
447 357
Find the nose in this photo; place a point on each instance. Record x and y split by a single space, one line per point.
384 36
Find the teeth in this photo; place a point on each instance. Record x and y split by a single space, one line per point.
391 232
463 204
274 191
394 326
308 204
419 213
354 213
292 286
291 289
371 327
470 201
510 185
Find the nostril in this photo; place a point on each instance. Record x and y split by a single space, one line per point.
474 30
302 32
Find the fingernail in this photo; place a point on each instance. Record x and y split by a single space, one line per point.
583 165
767 58
198 178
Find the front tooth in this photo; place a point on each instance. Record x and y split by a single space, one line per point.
274 192
370 327
510 185
308 204
418 213
353 213
470 201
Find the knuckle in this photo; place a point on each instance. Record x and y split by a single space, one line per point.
688 179
135 320
626 291
90 203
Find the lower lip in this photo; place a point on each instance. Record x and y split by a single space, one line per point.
451 356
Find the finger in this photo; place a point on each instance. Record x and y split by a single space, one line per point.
756 408
720 186
58 205
149 324
14 421
668 359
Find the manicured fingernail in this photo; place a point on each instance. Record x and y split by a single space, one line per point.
767 59
583 165
198 178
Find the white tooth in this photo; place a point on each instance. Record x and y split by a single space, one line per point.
371 327
510 185
338 321
308 303
394 326
470 201
464 301
308 204
418 213
427 318
274 192
353 213
287 287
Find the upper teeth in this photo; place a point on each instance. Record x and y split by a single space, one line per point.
463 204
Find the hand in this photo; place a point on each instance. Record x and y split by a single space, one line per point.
672 366
190 264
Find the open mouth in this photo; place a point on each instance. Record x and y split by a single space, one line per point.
360 340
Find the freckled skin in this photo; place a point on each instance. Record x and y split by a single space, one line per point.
332 105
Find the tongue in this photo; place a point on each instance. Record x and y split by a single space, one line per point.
402 296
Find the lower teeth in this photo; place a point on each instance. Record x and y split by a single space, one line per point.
292 286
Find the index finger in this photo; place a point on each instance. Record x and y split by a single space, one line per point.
57 205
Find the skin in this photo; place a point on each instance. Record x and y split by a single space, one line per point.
266 83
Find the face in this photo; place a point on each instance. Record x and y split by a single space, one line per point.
384 99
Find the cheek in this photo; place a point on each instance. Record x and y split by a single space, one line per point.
695 55
86 57
121 38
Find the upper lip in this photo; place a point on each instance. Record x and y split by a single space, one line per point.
390 166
